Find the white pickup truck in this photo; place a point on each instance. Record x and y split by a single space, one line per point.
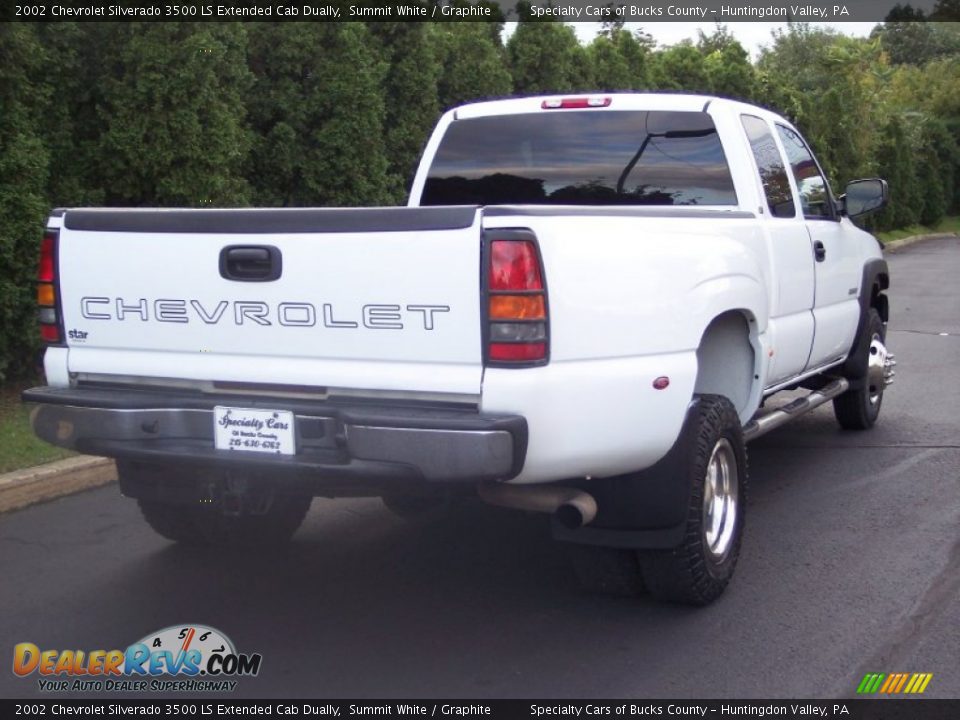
582 311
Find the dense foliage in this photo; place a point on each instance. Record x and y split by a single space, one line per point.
284 114
23 179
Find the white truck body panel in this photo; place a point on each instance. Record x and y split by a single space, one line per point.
348 311
602 424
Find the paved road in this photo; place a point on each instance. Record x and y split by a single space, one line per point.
851 564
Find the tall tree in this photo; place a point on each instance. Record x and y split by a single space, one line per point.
909 38
681 67
946 11
543 56
319 130
937 164
896 163
611 71
174 116
410 91
933 90
77 66
614 22
635 48
581 73
728 68
471 63
23 179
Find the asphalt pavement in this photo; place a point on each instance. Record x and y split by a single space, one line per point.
851 564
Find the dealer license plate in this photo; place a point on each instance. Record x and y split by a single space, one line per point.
247 430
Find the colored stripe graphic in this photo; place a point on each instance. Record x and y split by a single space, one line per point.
903 681
913 683
870 683
894 683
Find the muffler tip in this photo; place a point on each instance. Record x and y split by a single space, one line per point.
570 516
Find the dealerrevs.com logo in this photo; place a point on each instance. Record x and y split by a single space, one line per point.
187 658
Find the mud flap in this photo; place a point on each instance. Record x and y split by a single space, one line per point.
641 510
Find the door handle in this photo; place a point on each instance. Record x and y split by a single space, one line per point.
819 251
251 263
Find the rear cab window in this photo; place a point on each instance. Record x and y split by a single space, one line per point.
770 166
581 158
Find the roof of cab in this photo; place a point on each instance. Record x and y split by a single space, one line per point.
684 102
618 101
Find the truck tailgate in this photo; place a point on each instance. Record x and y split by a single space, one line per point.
379 299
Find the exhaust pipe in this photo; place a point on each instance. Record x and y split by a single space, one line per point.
572 508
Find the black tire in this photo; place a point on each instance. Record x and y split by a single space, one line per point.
859 408
198 525
699 569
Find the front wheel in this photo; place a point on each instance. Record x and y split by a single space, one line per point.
699 569
859 408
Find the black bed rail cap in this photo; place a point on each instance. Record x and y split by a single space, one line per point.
273 220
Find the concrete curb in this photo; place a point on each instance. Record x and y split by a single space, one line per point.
48 482
913 239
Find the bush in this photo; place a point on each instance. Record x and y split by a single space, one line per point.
23 204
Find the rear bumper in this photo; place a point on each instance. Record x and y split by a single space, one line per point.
341 442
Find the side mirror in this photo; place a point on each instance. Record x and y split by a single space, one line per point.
863 197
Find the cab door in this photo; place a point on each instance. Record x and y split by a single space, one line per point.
790 329
836 307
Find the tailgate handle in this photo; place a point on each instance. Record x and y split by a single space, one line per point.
251 263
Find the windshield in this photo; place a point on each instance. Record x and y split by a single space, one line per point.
581 158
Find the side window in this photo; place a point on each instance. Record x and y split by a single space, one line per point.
811 185
773 173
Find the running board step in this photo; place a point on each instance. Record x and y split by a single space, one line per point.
801 406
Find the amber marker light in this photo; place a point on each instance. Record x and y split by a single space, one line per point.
517 307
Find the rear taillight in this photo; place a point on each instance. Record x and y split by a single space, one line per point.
48 300
517 311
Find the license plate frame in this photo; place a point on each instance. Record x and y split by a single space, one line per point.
254 430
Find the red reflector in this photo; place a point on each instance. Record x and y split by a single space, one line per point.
661 383
45 271
514 266
518 351
575 103
50 333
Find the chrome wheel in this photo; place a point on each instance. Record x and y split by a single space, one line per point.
880 372
696 571
720 501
